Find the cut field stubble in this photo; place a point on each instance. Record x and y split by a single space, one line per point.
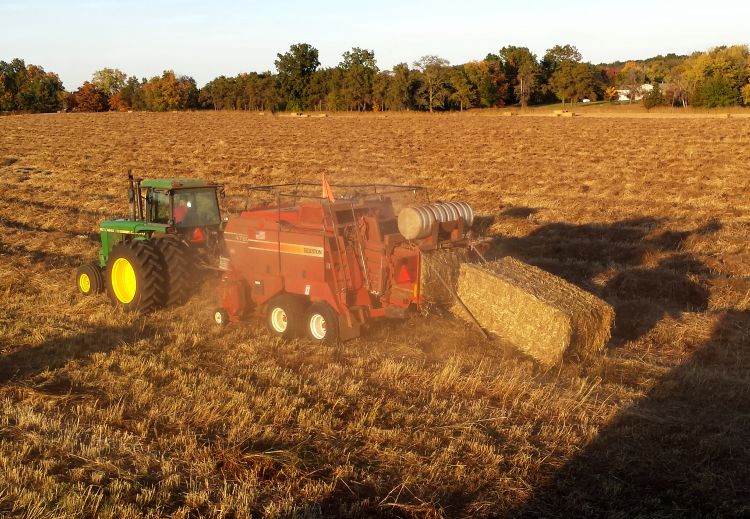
108 414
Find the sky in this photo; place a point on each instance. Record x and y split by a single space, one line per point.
205 39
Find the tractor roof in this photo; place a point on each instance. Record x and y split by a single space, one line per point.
176 183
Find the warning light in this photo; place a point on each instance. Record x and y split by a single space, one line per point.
404 276
197 236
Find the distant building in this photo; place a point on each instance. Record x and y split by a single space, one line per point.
623 94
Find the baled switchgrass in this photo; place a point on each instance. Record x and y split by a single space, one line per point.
542 314
439 274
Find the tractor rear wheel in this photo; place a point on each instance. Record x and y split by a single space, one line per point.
176 263
135 276
322 323
89 279
285 315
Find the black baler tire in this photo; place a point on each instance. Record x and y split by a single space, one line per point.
149 272
331 319
175 256
294 308
94 272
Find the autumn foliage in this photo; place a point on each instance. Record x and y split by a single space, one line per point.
170 92
514 76
28 88
88 98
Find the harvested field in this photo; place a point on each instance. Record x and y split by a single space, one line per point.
114 415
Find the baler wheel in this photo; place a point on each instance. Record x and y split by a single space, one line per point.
135 276
221 317
322 323
176 263
285 314
89 279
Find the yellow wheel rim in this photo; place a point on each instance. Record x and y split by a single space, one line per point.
84 283
123 280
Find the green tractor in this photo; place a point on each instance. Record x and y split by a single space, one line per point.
151 259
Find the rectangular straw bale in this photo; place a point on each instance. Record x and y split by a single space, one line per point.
542 314
445 264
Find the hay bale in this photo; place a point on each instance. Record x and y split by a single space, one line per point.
445 264
542 314
563 113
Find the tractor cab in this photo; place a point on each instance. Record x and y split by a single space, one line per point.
189 207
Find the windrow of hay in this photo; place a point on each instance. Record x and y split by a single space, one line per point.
542 314
440 268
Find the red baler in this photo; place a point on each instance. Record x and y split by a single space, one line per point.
325 266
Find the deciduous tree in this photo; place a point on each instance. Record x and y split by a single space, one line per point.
28 88
745 91
632 77
488 78
434 81
522 71
359 67
558 55
109 80
295 69
653 98
88 98
464 92
170 92
402 88
574 81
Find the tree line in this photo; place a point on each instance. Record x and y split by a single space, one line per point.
513 76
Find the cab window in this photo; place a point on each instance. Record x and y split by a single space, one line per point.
196 207
159 207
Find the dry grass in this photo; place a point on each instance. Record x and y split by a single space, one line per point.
543 315
439 275
113 415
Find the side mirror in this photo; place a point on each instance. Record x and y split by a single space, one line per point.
222 194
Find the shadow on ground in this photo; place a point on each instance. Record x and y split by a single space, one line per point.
641 295
27 361
684 450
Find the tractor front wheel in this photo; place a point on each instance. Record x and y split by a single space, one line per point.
135 276
89 279
322 323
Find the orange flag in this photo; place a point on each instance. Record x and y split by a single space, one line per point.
327 191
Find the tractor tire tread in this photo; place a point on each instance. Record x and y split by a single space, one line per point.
151 294
177 269
95 275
